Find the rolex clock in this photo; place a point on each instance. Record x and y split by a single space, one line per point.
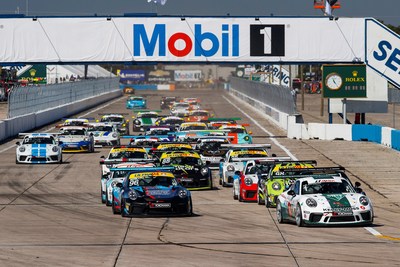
333 81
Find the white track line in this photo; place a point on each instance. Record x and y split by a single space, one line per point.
51 128
263 129
373 231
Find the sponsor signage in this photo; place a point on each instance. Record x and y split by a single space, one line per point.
186 39
159 76
383 51
187 75
344 81
132 75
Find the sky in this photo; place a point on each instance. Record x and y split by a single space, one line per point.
386 10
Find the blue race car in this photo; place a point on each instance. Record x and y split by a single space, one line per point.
134 102
151 191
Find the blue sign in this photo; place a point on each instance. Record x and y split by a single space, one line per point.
132 75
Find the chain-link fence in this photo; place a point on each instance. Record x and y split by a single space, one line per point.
278 97
31 99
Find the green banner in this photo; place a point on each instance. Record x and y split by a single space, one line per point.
344 81
37 74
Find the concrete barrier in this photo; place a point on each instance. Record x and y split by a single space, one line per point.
362 132
26 123
338 132
396 139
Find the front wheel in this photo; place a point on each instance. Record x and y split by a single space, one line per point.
114 209
189 211
259 201
299 216
279 215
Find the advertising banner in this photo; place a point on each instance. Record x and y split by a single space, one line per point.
159 76
182 39
188 75
132 75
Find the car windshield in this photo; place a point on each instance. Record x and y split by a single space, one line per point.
101 129
193 127
136 98
112 119
153 181
128 154
236 130
73 132
171 121
199 113
182 161
327 188
148 115
182 105
30 141
213 145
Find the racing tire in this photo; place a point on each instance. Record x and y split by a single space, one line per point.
114 210
240 197
122 209
16 161
267 202
189 209
211 183
235 197
259 202
279 216
220 181
299 216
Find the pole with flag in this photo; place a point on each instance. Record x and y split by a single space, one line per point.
328 7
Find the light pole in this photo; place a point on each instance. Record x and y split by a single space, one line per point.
27 7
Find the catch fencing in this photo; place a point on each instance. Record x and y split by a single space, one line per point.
274 96
32 99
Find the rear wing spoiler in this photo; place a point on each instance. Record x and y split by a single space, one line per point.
264 159
146 110
270 160
146 169
299 162
22 135
224 119
112 114
118 161
315 170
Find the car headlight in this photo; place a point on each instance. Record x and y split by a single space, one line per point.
204 171
364 200
276 186
137 122
248 181
109 165
246 138
311 202
55 149
182 193
230 168
113 184
22 149
86 139
132 195
114 135
123 125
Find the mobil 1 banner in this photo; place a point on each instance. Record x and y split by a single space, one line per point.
159 76
186 39
188 75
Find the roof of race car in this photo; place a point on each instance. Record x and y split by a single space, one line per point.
143 175
185 124
248 151
322 179
281 166
136 98
133 165
42 135
177 154
113 115
232 126
75 119
73 127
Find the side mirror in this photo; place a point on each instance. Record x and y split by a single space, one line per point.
237 172
291 193
102 157
18 143
250 132
119 185
357 184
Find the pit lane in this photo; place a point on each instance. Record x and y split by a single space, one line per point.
51 215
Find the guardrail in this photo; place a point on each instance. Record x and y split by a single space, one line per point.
26 100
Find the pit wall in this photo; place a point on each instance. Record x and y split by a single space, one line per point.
297 129
26 123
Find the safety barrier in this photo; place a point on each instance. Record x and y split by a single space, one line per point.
13 126
161 87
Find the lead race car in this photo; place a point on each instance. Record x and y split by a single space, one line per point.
38 148
329 200
147 191
145 119
104 134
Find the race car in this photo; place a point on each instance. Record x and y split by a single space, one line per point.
76 139
180 109
153 191
324 200
104 134
134 102
236 158
166 101
198 115
160 130
245 183
117 119
238 133
190 170
117 175
215 123
38 148
280 177
210 149
145 119
172 121
117 155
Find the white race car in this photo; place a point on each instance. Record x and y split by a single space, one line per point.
236 158
104 134
38 148
329 200
76 139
